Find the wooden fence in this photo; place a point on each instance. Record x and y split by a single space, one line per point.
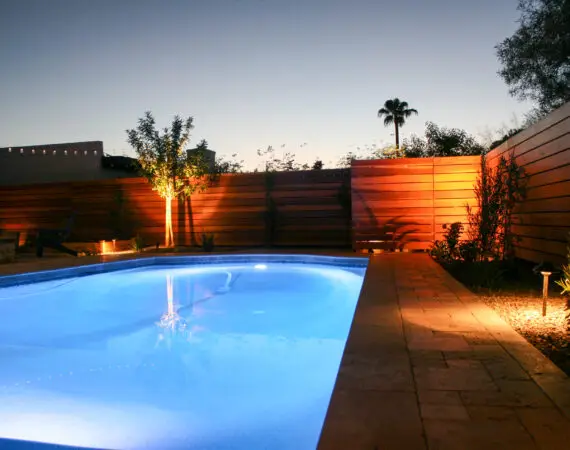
289 208
543 218
404 203
395 204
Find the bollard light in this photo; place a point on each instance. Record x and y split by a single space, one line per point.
545 276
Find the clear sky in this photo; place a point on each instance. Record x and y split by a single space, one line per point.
252 73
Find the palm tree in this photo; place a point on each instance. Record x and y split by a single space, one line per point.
396 112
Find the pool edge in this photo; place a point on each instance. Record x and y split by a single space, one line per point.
110 265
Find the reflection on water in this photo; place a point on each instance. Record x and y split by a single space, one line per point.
175 357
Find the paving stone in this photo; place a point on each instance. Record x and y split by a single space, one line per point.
479 338
547 426
429 397
505 369
427 358
511 393
378 315
416 332
373 340
477 435
444 344
362 373
491 412
453 379
527 392
372 419
465 364
531 359
557 387
444 412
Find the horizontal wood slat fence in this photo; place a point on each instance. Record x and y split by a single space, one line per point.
543 218
387 204
403 204
303 208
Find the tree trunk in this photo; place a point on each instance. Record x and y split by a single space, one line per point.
168 233
397 135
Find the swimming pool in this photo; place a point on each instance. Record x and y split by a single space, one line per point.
233 352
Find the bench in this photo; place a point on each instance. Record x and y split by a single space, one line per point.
54 238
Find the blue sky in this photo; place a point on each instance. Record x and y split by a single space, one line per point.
252 73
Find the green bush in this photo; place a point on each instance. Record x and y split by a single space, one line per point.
137 244
208 242
449 249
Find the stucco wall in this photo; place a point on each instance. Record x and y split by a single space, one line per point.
75 161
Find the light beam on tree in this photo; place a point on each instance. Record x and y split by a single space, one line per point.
162 160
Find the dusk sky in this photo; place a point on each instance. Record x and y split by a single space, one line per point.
252 73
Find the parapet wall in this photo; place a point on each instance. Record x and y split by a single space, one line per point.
75 161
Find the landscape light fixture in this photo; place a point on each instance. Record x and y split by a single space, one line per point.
546 269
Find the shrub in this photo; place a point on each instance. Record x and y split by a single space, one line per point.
208 242
564 283
449 249
137 244
497 191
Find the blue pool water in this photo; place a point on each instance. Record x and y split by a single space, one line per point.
239 356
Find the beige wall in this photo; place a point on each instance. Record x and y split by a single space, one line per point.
74 161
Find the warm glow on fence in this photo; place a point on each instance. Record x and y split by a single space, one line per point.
106 247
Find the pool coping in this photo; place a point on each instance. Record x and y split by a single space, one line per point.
99 265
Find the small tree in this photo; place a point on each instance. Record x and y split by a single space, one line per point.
497 191
170 170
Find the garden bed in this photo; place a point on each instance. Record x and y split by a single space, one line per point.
514 291
548 334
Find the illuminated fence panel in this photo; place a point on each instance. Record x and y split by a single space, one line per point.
403 204
235 209
543 218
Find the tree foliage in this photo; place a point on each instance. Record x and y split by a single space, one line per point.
509 134
536 58
286 163
163 161
391 152
395 112
231 165
318 164
441 141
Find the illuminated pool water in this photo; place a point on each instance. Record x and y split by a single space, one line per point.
237 354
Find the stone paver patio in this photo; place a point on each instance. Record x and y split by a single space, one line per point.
429 366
